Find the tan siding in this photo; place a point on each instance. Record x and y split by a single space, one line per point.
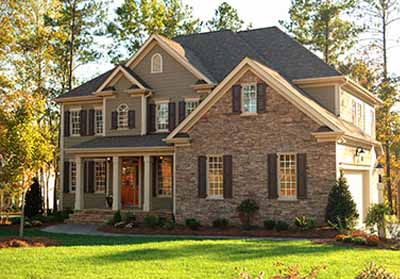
325 96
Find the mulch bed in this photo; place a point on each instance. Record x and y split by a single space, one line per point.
324 233
25 242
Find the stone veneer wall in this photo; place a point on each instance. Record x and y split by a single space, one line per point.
283 128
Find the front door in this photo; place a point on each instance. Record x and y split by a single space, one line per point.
129 183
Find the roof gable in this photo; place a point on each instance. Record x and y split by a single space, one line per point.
123 71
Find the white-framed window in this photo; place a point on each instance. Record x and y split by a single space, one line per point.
156 63
358 113
100 176
72 176
370 121
215 176
75 122
191 105
162 116
164 176
99 122
249 98
123 116
287 176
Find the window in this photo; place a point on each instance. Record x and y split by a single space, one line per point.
370 121
162 116
72 173
75 122
215 176
287 176
100 176
249 98
164 176
358 114
156 63
190 106
99 121
123 116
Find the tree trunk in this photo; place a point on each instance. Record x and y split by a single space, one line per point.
388 177
47 189
22 219
72 44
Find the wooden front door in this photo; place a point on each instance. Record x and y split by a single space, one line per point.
129 183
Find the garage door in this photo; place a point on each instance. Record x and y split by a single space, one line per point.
355 182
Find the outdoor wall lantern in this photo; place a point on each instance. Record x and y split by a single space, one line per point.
359 151
379 169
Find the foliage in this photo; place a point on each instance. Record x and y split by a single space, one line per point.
348 239
192 223
129 217
221 223
341 209
225 18
269 224
281 226
135 20
33 200
343 225
305 223
322 26
340 237
169 225
373 240
393 227
359 240
152 221
376 218
248 208
117 217
374 271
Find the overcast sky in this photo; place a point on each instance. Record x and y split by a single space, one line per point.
261 13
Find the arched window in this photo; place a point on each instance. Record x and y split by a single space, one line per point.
156 63
123 116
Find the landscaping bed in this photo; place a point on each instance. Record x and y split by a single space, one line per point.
25 242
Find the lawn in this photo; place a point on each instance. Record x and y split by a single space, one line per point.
123 257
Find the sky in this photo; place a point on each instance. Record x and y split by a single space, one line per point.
261 13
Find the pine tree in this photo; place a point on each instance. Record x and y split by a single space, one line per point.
226 17
33 200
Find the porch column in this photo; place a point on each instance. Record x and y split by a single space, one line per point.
79 191
147 184
116 185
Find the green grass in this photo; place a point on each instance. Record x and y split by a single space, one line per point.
123 257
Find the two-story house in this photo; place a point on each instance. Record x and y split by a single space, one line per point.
194 125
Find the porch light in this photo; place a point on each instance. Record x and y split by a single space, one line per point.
379 170
109 159
359 151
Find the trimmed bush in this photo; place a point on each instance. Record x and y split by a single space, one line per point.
341 209
247 209
117 218
169 225
220 223
373 240
192 223
347 239
269 224
151 221
281 226
359 240
129 217
376 218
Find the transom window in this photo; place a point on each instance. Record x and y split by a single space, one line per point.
164 176
249 98
287 176
75 122
100 176
156 63
191 105
162 116
215 176
72 174
123 116
99 121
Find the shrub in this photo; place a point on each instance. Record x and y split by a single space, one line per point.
376 217
305 223
248 208
393 227
33 200
269 224
169 225
281 226
117 218
220 223
373 240
340 237
161 221
375 272
151 221
359 240
341 209
192 223
347 239
129 217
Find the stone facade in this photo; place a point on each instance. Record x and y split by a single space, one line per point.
282 128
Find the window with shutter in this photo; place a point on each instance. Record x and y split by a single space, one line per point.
83 123
249 98
75 122
162 117
215 176
287 176
99 129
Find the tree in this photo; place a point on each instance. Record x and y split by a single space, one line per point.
137 19
34 200
320 25
225 17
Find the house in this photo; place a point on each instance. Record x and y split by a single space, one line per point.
192 126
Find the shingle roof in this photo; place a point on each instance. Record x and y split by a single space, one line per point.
152 140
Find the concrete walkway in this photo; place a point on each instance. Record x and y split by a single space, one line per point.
85 229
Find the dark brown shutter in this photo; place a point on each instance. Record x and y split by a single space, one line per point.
91 122
261 97
171 116
202 176
236 100
301 176
272 176
182 111
228 176
66 123
83 119
114 120
85 177
66 177
131 119
151 118
91 177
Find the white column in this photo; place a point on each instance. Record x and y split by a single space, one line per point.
116 184
147 184
61 162
79 191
